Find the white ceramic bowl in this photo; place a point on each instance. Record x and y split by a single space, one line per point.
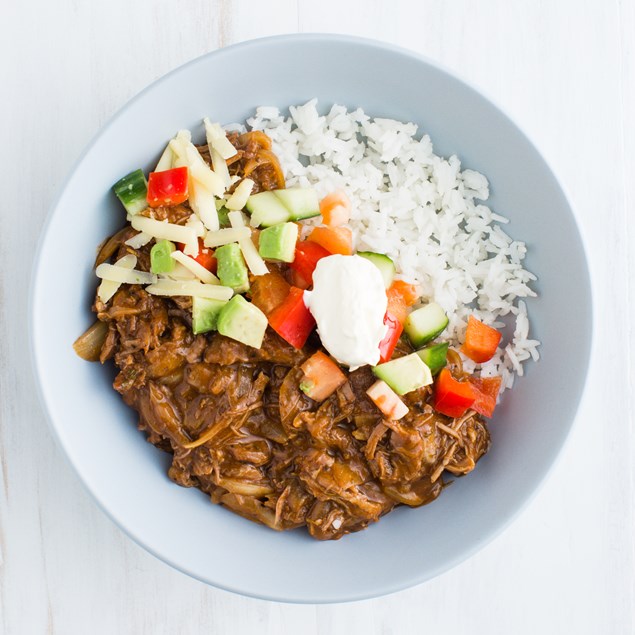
127 476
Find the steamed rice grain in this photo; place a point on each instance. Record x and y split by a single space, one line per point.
421 210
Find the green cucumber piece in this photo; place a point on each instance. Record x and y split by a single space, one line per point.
161 260
242 321
266 210
278 242
205 312
435 357
132 191
232 270
404 374
302 202
385 265
424 324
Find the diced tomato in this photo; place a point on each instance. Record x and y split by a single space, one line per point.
268 292
336 240
401 295
387 345
205 256
486 393
322 376
335 209
407 291
292 320
452 397
169 187
307 254
481 341
387 400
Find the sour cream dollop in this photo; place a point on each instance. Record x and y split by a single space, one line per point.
348 303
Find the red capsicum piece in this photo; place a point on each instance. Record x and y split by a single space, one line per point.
169 187
307 254
452 397
205 256
486 393
387 345
292 320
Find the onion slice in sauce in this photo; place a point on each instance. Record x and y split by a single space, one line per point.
88 345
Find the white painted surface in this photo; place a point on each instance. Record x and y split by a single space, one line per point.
564 70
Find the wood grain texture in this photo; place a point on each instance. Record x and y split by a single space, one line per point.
565 72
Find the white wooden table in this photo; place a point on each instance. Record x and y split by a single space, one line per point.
564 69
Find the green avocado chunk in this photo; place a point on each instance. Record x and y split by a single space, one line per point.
242 321
434 356
205 312
278 242
161 260
404 374
232 270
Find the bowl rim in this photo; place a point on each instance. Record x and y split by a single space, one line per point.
462 554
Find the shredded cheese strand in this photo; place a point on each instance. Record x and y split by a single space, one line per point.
226 236
190 288
196 268
253 259
108 288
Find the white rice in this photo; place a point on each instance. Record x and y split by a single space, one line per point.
420 209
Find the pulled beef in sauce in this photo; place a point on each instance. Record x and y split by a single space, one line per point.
240 429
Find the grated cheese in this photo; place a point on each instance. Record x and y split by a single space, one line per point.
217 139
238 199
138 240
190 288
226 236
253 259
108 288
168 231
166 160
119 274
220 167
180 273
197 269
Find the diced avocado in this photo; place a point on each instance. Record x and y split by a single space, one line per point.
383 263
404 374
302 202
205 312
242 321
132 190
278 242
424 324
161 260
232 270
266 210
435 357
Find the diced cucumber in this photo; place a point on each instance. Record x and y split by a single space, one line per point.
161 260
435 357
266 209
278 242
383 263
424 324
205 312
302 202
404 374
242 321
232 270
132 191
